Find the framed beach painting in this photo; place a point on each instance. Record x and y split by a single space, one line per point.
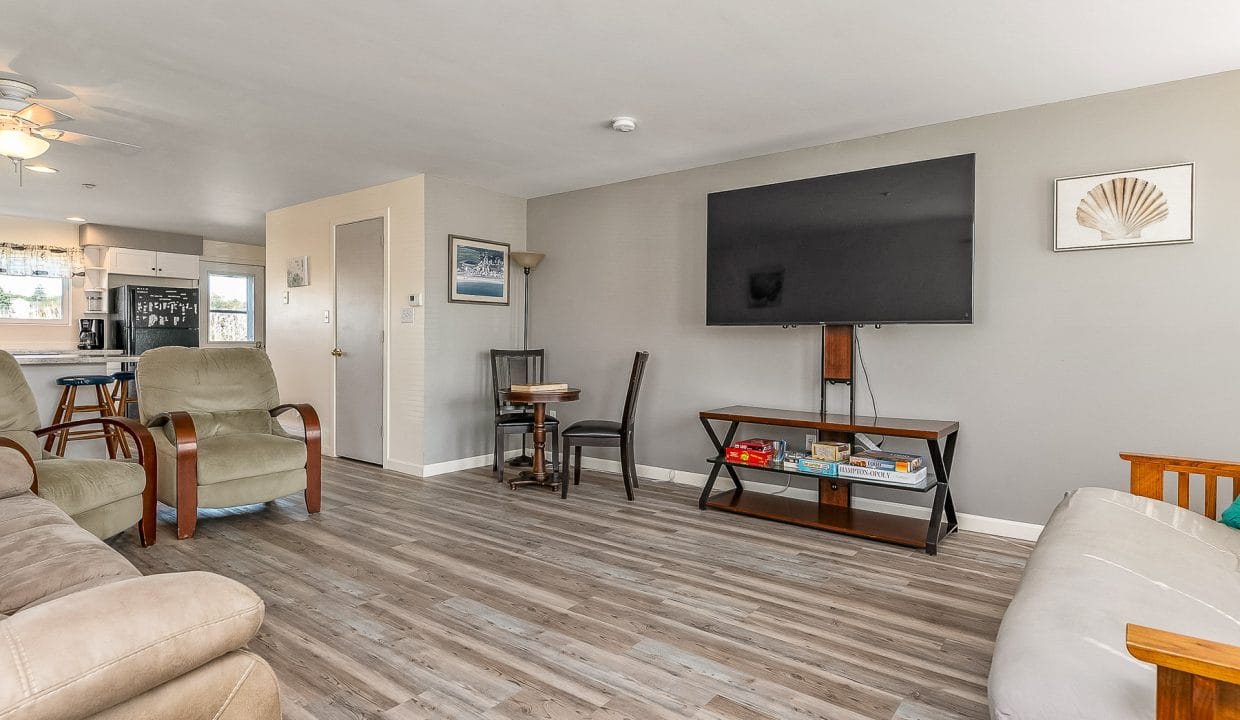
478 272
1148 206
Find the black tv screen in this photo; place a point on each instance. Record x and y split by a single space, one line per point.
886 245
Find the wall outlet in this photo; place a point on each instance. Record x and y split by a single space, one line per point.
406 315
810 439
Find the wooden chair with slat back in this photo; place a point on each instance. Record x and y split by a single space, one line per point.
1197 679
517 366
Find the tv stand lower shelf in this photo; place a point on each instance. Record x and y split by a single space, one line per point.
833 511
896 529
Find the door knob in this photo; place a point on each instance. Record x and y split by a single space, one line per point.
337 352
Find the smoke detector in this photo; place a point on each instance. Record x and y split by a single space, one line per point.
624 124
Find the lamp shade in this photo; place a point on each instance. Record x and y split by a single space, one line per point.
527 260
20 145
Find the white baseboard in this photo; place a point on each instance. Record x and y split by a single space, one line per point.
442 468
971 523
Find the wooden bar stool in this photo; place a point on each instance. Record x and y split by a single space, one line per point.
67 407
122 397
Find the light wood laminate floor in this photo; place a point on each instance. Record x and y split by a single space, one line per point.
455 597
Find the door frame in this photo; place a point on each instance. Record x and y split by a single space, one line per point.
386 215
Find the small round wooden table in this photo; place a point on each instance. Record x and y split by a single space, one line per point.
538 474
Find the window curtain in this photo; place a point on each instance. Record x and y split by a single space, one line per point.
40 260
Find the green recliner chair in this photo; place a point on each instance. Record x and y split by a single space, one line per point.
103 496
217 441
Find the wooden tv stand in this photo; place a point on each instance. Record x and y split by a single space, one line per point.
834 511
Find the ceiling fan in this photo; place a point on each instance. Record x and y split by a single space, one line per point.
26 126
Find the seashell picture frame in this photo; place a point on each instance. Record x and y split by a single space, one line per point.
1146 206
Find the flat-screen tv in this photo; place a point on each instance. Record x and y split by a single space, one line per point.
885 245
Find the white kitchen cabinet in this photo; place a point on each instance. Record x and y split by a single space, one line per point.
176 265
126 261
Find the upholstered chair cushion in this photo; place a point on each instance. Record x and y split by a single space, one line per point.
25 438
16 475
230 457
225 422
78 485
207 380
18 410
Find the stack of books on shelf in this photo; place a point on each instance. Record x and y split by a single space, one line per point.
756 451
892 467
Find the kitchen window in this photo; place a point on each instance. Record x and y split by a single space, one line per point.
230 314
34 299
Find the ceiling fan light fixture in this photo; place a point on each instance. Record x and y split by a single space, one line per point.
21 145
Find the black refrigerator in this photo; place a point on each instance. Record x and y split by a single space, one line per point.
146 316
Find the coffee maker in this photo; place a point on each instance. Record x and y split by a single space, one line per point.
90 336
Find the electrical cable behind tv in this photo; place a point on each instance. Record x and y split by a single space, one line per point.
866 374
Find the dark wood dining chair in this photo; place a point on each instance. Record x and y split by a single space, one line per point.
608 433
518 366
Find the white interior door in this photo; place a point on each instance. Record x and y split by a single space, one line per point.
359 340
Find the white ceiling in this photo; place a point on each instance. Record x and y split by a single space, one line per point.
246 107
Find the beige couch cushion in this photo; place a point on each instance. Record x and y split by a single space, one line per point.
80 654
78 485
1107 558
44 555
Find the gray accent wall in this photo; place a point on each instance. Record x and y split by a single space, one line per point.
459 407
1073 357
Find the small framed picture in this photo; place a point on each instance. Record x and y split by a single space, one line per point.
1148 206
298 271
478 272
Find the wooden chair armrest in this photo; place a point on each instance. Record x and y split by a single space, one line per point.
313 437
309 418
185 439
141 436
1203 658
1183 464
10 443
183 430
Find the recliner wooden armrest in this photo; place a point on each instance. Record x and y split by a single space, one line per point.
312 434
185 440
146 458
1197 679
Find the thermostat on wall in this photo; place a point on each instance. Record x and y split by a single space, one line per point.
415 300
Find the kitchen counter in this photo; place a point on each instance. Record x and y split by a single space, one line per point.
67 358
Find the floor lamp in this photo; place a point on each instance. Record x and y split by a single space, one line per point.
527 261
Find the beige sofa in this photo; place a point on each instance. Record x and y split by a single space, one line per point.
84 635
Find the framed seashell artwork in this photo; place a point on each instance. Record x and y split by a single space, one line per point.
1147 206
